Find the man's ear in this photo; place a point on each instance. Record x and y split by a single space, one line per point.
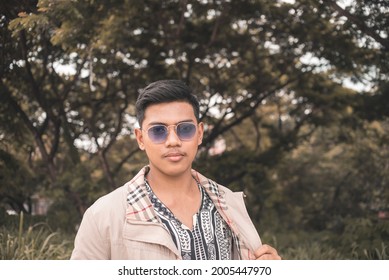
200 133
139 138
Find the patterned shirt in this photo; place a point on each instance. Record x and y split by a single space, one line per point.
210 238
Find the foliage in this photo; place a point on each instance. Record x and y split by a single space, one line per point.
17 184
273 79
362 240
38 242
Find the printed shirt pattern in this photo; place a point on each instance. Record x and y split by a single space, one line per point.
210 238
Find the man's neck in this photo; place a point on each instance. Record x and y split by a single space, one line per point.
179 193
174 185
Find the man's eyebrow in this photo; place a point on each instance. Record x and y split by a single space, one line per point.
162 123
156 123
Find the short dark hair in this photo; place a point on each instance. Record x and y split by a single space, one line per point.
165 91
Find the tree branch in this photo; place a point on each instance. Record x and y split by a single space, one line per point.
360 24
31 128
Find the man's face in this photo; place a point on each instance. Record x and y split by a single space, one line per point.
174 156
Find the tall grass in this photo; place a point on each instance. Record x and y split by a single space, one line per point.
300 245
381 253
38 242
317 251
19 241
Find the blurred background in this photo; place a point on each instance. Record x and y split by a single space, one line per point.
294 95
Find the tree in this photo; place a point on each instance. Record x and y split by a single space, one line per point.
71 72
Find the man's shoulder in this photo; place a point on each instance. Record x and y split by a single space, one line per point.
117 199
112 201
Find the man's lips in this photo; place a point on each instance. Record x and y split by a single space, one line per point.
174 156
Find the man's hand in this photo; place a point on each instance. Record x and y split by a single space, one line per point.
266 252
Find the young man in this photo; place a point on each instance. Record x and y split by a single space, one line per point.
168 210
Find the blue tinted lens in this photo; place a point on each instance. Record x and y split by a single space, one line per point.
185 131
158 133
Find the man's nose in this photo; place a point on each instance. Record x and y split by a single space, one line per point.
172 137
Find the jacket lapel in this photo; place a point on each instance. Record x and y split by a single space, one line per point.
214 193
142 222
139 206
218 197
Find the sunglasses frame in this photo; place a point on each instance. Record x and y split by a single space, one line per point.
168 131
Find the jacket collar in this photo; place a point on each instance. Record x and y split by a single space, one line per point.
218 197
140 208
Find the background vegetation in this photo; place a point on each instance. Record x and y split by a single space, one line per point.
294 92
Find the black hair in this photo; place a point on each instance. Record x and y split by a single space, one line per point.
165 91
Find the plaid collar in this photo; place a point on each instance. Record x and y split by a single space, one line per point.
218 197
139 206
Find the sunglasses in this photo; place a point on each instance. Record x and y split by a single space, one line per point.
159 133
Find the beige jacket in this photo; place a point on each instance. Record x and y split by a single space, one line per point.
123 224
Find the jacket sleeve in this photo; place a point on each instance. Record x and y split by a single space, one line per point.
90 243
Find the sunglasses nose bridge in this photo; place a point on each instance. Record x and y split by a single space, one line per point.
169 135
